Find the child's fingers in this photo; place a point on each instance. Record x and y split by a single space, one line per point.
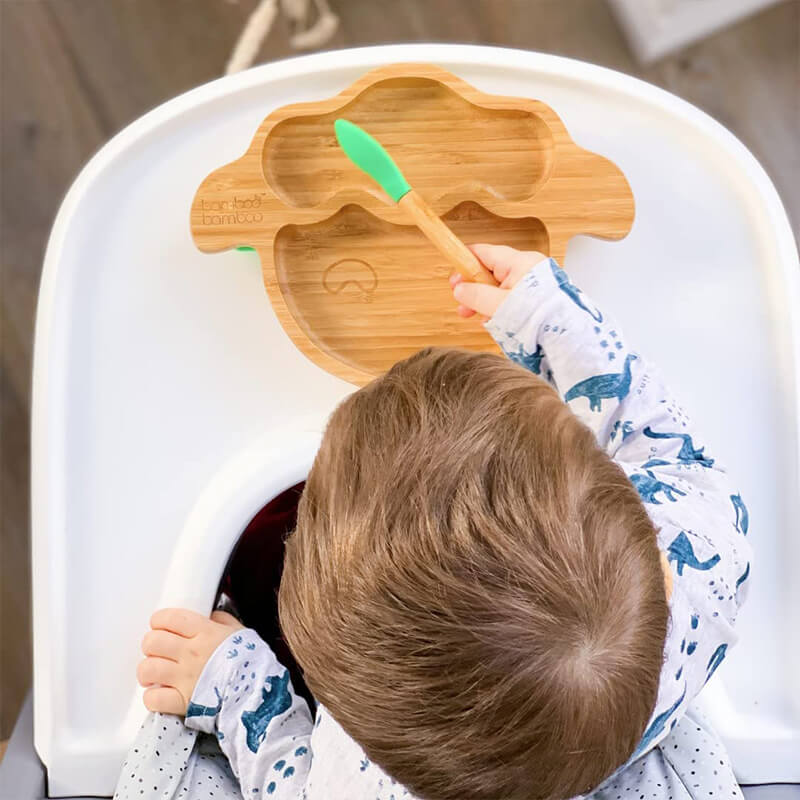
463 311
157 670
178 620
164 699
163 643
480 297
507 264
495 257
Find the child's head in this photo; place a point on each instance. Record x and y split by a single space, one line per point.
474 589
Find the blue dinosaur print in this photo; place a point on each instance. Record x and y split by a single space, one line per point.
196 710
364 764
251 645
603 387
655 462
531 361
627 429
716 659
744 576
274 702
657 725
682 553
572 291
237 639
687 454
649 486
742 516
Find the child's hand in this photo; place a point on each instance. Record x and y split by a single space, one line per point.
508 266
177 648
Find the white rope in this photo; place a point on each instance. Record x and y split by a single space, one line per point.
260 22
251 37
322 30
296 10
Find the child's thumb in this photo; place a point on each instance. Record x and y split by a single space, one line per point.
480 297
224 618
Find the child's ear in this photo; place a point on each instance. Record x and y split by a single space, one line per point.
667 575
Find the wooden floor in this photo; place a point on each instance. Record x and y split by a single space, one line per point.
76 71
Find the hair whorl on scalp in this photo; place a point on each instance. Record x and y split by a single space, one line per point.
474 589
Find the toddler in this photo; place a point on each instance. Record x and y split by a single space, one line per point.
509 577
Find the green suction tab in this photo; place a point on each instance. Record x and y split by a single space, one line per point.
244 248
368 154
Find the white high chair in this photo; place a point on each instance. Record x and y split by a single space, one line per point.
169 405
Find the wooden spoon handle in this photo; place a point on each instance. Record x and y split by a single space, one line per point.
445 241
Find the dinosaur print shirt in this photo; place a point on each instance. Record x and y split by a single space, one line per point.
547 325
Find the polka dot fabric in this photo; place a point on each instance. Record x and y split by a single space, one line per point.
168 760
689 764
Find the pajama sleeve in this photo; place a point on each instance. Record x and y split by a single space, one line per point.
245 697
549 326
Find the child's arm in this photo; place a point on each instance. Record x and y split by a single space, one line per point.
227 681
545 322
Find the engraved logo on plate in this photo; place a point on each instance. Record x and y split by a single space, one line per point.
234 210
351 276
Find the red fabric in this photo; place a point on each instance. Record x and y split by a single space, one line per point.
253 575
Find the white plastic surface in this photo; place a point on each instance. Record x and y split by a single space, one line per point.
169 405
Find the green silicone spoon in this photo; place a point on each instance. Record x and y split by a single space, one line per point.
368 154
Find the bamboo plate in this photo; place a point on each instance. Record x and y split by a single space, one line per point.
353 284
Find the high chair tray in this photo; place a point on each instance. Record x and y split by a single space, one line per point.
169 403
